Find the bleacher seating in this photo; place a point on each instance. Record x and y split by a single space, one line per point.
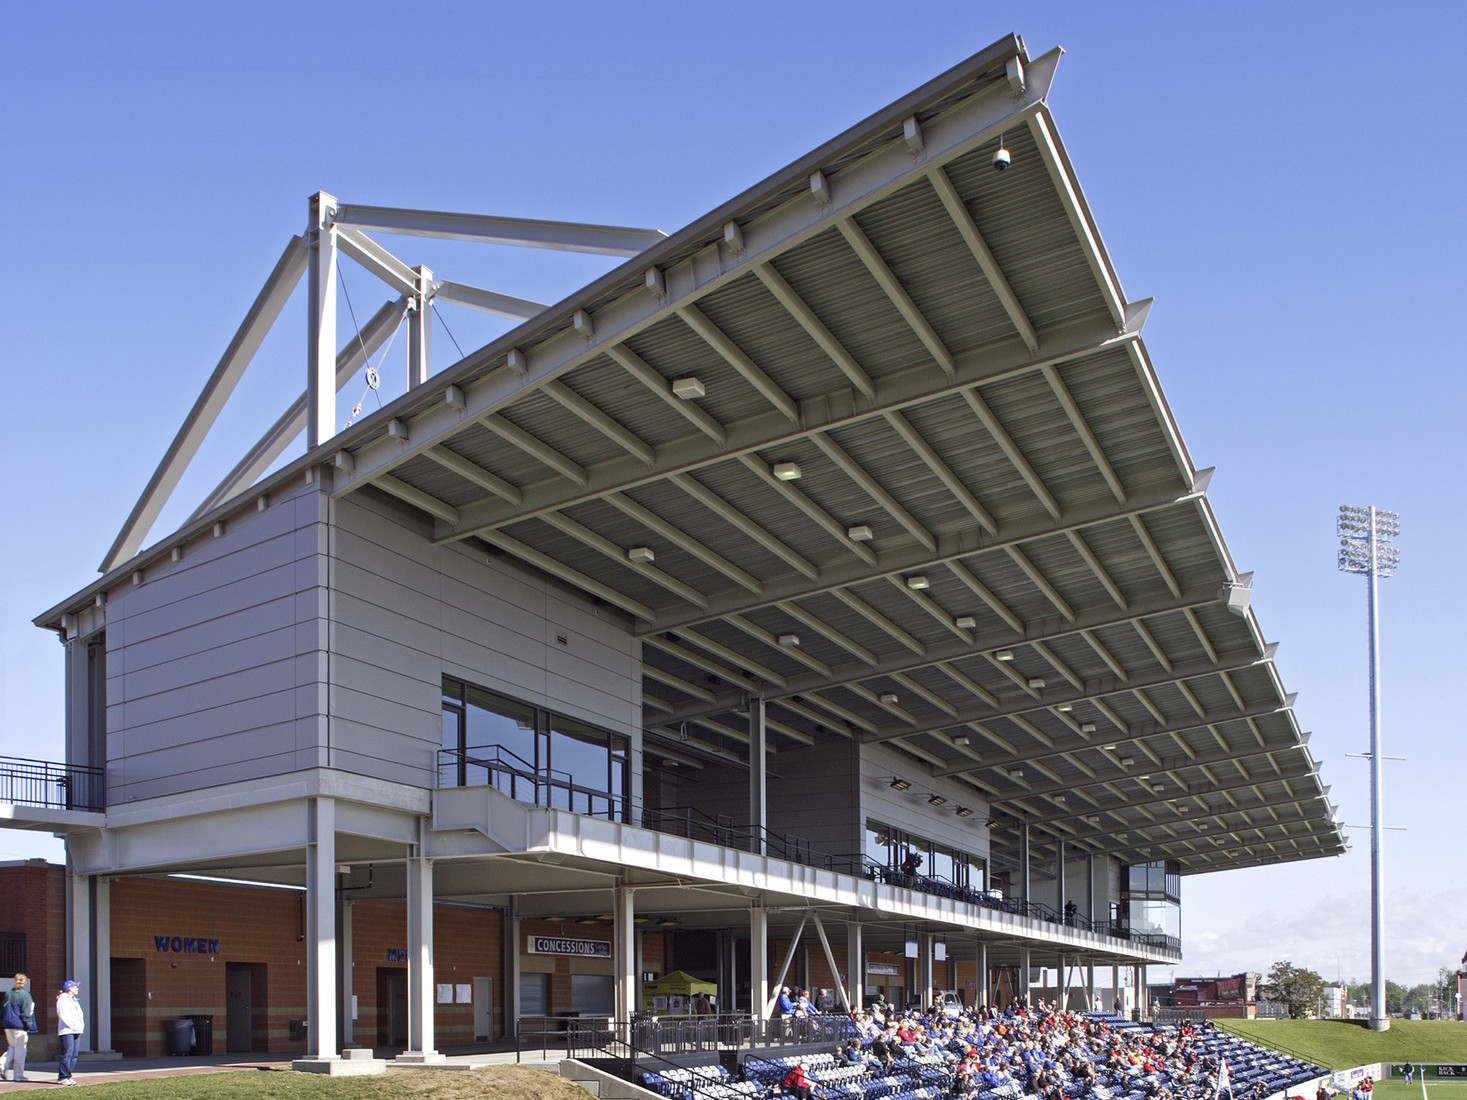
1127 1061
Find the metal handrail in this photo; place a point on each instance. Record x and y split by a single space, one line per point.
54 786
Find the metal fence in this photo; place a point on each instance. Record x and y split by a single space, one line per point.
51 785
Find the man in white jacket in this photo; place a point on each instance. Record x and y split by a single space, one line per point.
70 1023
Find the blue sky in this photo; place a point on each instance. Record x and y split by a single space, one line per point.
1285 180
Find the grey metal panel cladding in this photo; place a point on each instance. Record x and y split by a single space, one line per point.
202 657
814 796
453 610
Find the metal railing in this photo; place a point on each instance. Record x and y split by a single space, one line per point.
51 785
498 767
726 1031
511 775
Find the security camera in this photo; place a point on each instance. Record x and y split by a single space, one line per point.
1001 159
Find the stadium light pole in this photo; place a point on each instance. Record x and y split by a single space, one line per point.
1366 549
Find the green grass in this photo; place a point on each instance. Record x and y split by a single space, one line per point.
490 1083
1342 1044
1435 1090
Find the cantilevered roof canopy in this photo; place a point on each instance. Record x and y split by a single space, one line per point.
879 440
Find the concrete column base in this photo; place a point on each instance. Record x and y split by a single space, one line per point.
341 1067
419 1057
1378 1025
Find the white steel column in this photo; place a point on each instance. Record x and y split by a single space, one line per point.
348 1038
81 953
981 978
1059 875
1059 985
1115 988
1023 991
624 953
758 777
420 960
759 963
100 1022
321 932
420 330
855 964
321 321
1024 862
1090 987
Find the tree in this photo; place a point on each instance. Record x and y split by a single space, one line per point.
1296 987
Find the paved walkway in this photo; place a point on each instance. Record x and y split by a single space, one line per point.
42 1075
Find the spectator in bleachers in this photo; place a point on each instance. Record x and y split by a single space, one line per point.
797 1082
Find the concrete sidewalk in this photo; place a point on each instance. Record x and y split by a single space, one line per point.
41 1074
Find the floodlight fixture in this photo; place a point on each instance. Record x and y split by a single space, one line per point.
1366 550
899 784
963 811
935 799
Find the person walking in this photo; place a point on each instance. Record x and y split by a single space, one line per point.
18 1017
1410 1071
70 1023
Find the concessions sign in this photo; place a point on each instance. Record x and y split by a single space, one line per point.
554 945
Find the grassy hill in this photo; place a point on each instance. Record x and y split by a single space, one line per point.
1340 1044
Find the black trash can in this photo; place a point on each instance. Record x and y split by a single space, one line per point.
203 1034
180 1035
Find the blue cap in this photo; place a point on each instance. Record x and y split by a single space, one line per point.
69 987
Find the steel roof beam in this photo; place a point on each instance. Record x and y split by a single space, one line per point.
488 301
885 278
1183 671
886 168
211 400
962 218
952 548
639 369
743 524
683 541
910 388
940 653
270 446
618 554
815 328
598 240
593 417
737 358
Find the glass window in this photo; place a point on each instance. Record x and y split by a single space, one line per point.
941 864
1137 878
581 756
497 721
878 844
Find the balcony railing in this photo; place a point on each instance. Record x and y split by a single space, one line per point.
509 774
51 785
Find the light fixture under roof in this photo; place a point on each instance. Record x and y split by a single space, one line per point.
1065 708
899 784
1128 761
668 922
888 697
963 811
642 555
1087 727
935 799
786 471
1004 655
917 583
788 640
1183 808
965 622
962 739
859 533
1036 682
1017 773
688 388
1061 799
